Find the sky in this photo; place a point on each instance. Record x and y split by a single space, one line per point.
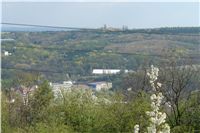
95 15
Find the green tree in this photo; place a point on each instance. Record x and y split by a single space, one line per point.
40 102
5 127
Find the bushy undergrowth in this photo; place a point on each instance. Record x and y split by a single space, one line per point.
78 111
82 110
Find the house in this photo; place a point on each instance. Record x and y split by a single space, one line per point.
58 88
6 53
64 85
98 86
82 86
107 71
7 40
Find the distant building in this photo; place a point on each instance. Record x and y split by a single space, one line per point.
6 53
107 71
80 86
124 28
7 40
98 86
57 88
105 27
65 85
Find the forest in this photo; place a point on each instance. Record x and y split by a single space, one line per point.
75 53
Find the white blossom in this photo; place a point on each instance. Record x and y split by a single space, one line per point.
168 104
129 89
136 128
166 128
159 84
157 118
12 101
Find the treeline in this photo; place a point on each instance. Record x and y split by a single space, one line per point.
170 30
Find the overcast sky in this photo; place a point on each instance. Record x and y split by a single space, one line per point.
93 15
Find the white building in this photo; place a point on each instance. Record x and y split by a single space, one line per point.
107 71
59 88
6 53
98 86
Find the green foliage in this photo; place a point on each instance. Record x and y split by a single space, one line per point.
40 102
5 127
50 128
182 129
79 111
104 115
43 128
190 117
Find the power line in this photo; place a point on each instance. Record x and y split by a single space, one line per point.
94 29
162 56
48 26
53 48
49 71
33 70
62 49
88 50
76 28
64 72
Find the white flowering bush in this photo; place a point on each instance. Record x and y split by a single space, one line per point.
157 118
136 128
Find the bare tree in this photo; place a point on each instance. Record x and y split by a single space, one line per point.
178 83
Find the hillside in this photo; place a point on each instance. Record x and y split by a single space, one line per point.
56 54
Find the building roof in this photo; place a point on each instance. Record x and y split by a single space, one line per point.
101 82
106 71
